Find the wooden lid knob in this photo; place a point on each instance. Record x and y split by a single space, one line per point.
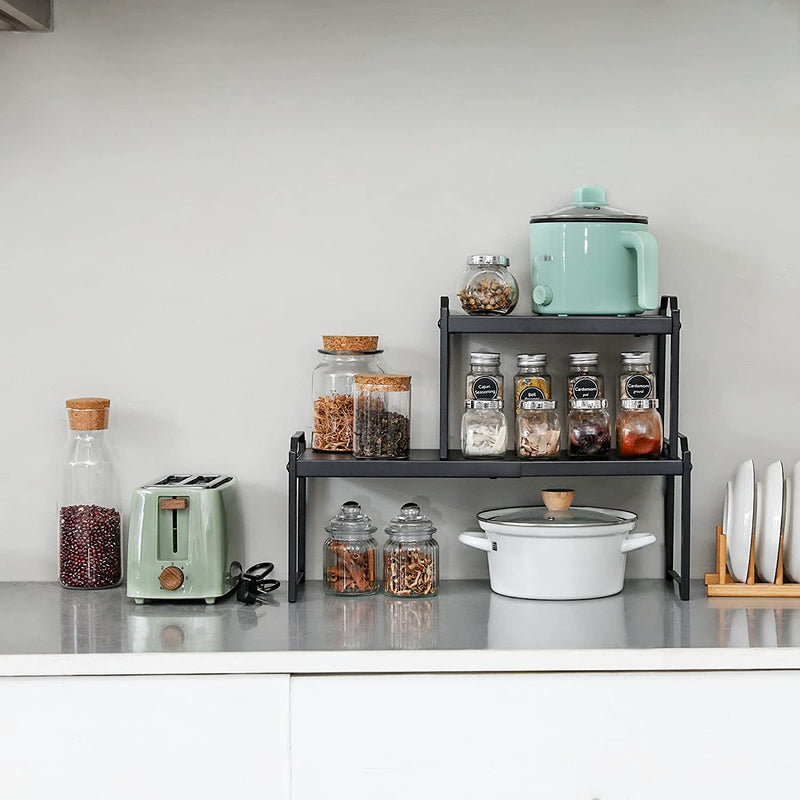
171 578
558 499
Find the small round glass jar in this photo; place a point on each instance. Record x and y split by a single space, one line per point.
382 424
483 429
636 378
487 287
640 431
585 381
410 555
343 357
484 380
532 381
350 553
589 430
538 429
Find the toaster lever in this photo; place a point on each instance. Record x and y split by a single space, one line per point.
174 503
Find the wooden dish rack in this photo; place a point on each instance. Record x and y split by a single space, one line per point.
722 584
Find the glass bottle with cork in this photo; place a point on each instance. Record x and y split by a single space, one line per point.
90 534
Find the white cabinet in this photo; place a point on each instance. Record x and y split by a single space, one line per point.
601 736
128 738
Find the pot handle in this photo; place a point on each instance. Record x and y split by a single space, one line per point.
479 542
646 248
634 541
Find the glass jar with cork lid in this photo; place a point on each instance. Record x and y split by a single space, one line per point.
90 535
343 357
382 408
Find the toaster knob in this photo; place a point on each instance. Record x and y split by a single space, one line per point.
171 578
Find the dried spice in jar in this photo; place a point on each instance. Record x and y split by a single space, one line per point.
410 555
382 424
538 429
483 429
640 432
487 286
484 381
342 358
585 381
636 379
349 553
588 424
531 381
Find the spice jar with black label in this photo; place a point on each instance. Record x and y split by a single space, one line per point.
589 427
350 553
636 379
483 429
640 431
410 555
531 381
585 381
382 424
484 381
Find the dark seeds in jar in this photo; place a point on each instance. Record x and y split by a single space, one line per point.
90 547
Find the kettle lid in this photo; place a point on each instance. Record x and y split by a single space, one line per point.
589 204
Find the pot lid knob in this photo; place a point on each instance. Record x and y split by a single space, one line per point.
589 196
558 499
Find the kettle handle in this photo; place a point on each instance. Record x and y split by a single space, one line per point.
645 246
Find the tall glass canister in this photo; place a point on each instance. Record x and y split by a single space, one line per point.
90 535
382 425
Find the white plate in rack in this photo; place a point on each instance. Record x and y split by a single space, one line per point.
726 520
769 521
741 511
791 528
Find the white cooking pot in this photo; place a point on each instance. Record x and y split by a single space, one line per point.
557 552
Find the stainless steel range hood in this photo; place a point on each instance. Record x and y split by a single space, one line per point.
26 15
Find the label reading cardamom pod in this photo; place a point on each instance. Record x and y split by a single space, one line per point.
585 389
639 387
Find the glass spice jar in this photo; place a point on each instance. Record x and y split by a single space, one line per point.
484 381
636 379
588 424
349 553
487 287
410 555
483 429
382 424
531 381
538 429
585 381
640 432
343 357
90 540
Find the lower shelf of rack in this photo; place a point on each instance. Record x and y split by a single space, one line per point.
427 464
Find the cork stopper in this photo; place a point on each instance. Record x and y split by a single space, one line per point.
353 343
382 383
88 413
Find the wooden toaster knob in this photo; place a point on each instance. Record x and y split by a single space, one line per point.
171 578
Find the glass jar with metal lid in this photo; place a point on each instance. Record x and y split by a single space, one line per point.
640 431
636 379
483 429
487 287
410 555
350 552
382 407
332 384
484 381
585 381
531 381
538 429
589 427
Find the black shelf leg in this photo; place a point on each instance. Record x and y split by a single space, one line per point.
686 521
301 530
669 526
297 516
444 376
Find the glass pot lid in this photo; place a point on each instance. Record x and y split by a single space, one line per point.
589 205
350 519
538 516
410 520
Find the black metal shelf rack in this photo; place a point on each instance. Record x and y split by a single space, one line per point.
675 461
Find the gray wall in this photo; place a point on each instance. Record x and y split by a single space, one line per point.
193 192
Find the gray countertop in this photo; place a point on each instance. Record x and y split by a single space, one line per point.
45 629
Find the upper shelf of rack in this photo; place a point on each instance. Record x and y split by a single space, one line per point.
659 324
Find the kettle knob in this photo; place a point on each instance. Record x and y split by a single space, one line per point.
542 295
589 196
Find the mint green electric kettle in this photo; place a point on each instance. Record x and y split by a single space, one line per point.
589 258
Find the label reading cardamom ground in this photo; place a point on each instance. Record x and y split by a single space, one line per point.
638 387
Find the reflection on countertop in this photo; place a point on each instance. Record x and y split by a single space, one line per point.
41 618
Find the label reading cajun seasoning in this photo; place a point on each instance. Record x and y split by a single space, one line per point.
585 389
531 393
638 387
485 388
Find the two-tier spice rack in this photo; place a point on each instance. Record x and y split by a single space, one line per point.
674 462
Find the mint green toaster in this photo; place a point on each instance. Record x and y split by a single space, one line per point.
184 540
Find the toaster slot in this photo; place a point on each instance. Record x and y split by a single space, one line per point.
173 528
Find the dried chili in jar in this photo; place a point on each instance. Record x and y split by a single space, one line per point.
640 432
